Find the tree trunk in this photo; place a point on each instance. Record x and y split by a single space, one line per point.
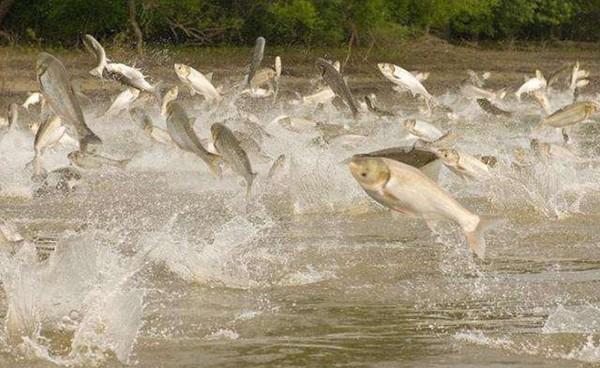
135 27
5 6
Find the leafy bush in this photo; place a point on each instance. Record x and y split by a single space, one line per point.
305 22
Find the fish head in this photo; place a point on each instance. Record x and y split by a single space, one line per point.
449 156
182 70
385 68
370 172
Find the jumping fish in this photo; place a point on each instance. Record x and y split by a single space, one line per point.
338 85
487 106
572 114
197 82
404 79
533 84
130 77
257 57
122 101
407 190
463 164
179 126
424 131
232 153
93 46
58 92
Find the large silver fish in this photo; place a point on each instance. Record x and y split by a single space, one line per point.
487 106
97 50
257 57
336 82
572 114
407 190
58 92
232 153
181 131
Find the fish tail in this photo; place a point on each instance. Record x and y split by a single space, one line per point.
476 238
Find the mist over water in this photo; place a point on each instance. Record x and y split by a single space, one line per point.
162 264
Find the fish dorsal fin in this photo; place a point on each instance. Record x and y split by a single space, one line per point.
209 76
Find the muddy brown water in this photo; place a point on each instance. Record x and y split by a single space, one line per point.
162 265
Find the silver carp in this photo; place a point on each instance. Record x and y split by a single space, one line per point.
58 92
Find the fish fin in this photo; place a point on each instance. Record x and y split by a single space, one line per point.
432 170
209 76
192 92
448 135
391 197
476 238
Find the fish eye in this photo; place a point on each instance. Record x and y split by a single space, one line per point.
363 174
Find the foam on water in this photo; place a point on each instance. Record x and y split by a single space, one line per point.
84 305
81 298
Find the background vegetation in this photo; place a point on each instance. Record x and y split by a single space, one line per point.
297 22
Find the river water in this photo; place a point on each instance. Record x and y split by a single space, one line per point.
163 265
